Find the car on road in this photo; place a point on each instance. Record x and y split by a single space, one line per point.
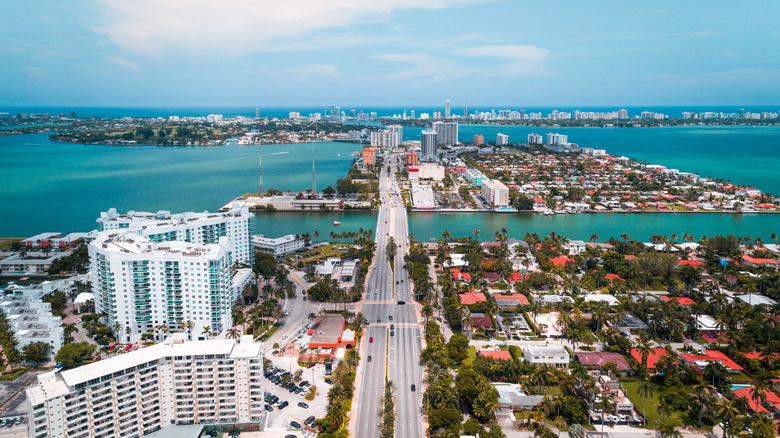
369 358
390 317
371 340
290 436
303 405
379 320
392 333
396 282
392 326
414 388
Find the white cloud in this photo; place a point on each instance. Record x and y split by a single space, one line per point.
124 63
237 27
505 51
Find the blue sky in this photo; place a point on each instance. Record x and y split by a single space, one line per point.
388 52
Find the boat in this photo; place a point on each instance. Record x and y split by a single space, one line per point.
336 223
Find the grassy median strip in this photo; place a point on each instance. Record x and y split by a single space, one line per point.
388 411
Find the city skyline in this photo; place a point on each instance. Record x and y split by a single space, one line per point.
387 53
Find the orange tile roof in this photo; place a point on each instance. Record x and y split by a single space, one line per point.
683 301
560 260
472 298
694 263
513 297
771 398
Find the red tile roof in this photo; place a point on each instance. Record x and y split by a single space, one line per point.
560 260
652 358
756 355
712 356
758 261
771 398
694 263
683 301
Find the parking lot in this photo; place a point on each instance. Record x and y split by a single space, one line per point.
279 419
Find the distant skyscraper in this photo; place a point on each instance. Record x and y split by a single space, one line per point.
447 109
479 139
257 113
332 109
411 114
428 150
465 112
622 114
352 113
447 132
534 139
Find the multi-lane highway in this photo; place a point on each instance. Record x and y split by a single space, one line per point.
394 327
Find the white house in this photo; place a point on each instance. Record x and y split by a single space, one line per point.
553 355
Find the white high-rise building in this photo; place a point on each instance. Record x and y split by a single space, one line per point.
384 139
502 139
622 114
175 382
534 139
447 131
142 286
428 146
553 139
398 130
447 109
202 228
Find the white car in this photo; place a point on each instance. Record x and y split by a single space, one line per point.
612 418
623 418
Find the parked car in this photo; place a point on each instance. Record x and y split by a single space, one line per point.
612 418
269 408
310 420
295 425
283 404
303 405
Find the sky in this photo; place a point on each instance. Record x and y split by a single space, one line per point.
389 52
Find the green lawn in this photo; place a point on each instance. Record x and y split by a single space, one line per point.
552 390
325 252
678 418
472 354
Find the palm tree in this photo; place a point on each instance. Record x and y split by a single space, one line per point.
207 332
233 333
476 232
446 234
645 350
427 311
604 404
668 431
645 389
703 400
728 412
757 395
762 425
664 408
594 237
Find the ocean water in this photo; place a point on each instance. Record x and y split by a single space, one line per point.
48 186
62 187
748 155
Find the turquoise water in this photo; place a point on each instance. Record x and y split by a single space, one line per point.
747 155
427 226
48 186
741 386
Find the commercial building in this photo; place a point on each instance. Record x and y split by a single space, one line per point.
495 193
369 154
33 263
31 319
204 228
141 285
428 146
447 131
412 158
172 383
327 331
422 197
502 139
279 246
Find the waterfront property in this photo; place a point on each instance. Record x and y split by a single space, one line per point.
201 228
30 318
175 382
278 246
142 286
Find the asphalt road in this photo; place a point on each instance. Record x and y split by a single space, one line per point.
395 353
